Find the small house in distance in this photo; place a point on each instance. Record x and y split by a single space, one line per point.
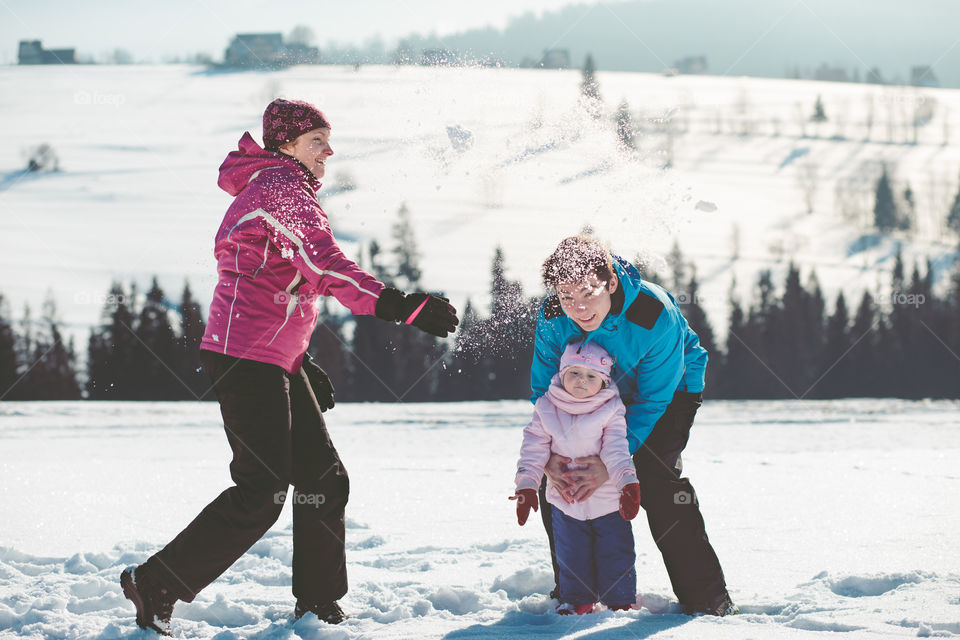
32 52
259 50
691 65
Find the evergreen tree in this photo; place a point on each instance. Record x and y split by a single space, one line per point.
677 267
885 215
760 334
8 353
790 348
51 375
378 270
192 328
371 377
155 375
834 363
590 88
906 220
953 217
951 312
894 335
113 350
738 362
509 334
328 347
390 362
467 377
819 114
697 319
25 352
863 358
408 258
625 132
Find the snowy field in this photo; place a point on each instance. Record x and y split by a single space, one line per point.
831 519
139 149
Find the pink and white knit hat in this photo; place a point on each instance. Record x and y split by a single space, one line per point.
589 355
285 120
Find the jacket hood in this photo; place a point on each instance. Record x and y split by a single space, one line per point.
629 286
243 165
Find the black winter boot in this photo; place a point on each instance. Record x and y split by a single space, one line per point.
329 612
721 606
154 604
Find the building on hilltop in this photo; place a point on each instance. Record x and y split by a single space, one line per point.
267 50
826 73
32 52
691 65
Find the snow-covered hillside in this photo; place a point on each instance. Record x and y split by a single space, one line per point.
827 516
140 146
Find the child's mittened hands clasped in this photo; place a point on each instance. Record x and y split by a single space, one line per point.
630 501
526 500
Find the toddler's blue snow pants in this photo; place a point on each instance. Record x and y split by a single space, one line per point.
596 559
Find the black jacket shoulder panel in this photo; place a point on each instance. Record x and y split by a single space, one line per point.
551 307
644 311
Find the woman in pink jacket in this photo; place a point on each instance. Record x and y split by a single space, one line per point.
276 255
580 415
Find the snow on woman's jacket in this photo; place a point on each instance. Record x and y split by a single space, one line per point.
575 428
275 256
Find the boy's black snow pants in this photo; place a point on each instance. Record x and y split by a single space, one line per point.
278 437
671 506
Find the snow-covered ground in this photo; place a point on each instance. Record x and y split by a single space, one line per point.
140 146
827 516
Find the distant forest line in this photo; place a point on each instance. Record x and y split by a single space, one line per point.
783 343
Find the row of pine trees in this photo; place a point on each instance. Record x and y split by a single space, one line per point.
784 343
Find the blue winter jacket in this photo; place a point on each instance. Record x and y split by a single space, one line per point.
655 351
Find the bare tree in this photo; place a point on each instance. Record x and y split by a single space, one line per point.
735 242
808 181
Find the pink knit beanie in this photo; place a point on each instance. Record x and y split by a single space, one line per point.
589 355
285 120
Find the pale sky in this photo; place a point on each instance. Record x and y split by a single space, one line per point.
161 29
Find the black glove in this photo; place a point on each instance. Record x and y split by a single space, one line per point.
425 311
319 382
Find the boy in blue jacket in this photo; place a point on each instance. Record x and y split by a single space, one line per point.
659 371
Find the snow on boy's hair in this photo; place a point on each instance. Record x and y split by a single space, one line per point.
573 261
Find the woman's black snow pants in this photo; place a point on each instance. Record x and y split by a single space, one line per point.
278 437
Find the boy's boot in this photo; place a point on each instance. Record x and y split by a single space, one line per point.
154 603
721 606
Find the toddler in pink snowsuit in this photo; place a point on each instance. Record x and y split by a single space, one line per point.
581 414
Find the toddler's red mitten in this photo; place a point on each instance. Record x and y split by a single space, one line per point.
630 501
526 500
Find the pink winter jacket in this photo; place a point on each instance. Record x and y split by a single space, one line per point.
575 428
275 256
